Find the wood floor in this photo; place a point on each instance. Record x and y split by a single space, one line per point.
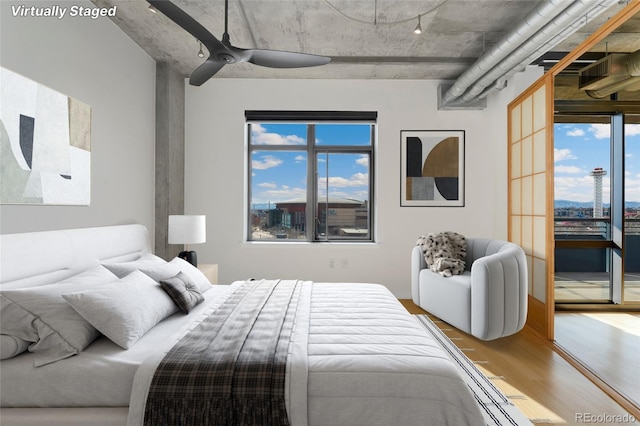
616 357
540 382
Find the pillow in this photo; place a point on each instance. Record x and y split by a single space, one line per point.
123 269
41 316
176 265
124 310
11 346
183 291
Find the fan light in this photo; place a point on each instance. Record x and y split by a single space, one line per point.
418 29
200 52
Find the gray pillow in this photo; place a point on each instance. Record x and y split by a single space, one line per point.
183 291
42 317
124 310
11 346
123 269
170 269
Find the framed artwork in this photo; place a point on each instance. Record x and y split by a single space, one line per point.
432 168
45 144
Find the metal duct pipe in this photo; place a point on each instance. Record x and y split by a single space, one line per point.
633 64
552 34
630 83
532 23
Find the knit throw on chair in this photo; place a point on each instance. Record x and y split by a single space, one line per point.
444 252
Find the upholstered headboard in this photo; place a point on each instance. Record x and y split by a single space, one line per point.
39 258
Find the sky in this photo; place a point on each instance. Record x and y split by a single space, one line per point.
579 148
282 175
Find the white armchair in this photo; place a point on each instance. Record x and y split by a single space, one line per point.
488 301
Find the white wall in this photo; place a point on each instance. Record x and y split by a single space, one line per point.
95 62
215 176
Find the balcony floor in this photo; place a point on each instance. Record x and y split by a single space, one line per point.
593 286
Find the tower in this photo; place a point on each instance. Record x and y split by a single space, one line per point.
597 174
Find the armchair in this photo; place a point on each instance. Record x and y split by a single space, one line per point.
488 301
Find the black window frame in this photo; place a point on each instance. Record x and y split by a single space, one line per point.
313 150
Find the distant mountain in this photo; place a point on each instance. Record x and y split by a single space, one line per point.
567 204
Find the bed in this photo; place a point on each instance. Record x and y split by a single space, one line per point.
352 354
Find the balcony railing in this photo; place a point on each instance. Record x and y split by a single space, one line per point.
594 258
591 228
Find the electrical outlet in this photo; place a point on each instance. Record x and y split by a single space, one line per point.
332 263
344 263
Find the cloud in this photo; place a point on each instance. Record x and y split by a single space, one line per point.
267 162
562 154
579 188
632 188
601 131
300 158
575 132
278 195
260 136
568 169
270 185
632 129
358 179
363 161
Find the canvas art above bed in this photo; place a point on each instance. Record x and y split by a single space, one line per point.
45 144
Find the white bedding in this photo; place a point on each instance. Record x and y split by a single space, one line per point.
371 363
100 376
363 361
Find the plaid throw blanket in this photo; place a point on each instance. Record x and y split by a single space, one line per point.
230 369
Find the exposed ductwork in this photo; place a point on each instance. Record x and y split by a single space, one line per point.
613 73
544 28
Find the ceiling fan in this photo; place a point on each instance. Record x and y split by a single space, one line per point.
222 52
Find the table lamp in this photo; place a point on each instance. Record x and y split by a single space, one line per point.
187 229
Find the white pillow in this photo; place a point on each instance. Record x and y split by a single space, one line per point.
171 269
11 346
123 269
124 310
41 316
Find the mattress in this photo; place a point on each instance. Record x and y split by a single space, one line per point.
371 363
100 376
357 358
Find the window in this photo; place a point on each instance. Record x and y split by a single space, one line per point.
310 176
582 177
597 207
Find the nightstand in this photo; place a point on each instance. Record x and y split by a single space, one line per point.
210 271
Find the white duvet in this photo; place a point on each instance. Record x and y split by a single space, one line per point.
357 358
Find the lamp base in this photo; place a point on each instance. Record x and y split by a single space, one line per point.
189 256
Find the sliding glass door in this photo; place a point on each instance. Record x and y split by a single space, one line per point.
582 213
597 209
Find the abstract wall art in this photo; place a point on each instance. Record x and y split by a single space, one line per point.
432 168
45 144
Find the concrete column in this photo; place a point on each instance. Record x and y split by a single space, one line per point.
169 197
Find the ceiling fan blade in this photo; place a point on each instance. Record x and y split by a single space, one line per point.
205 71
189 24
281 59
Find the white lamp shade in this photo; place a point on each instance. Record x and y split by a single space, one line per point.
187 229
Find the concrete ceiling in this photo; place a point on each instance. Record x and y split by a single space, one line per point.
366 39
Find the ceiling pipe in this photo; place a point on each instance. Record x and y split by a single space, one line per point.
631 83
481 78
531 24
552 34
